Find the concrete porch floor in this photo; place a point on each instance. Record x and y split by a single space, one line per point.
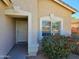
20 52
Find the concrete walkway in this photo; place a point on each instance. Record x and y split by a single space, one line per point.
18 52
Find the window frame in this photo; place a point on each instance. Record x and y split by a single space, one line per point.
55 19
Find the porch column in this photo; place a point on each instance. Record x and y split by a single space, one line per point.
32 42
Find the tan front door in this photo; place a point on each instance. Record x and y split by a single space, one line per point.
21 31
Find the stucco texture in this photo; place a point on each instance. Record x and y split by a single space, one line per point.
49 6
38 8
6 32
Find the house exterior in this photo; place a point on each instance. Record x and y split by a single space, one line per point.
35 11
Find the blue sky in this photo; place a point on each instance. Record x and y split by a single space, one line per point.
74 4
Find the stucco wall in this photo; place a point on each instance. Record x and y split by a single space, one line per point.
41 8
38 8
48 6
6 32
32 7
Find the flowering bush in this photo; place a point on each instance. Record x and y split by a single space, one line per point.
57 46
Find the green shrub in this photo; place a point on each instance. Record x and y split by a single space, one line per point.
57 46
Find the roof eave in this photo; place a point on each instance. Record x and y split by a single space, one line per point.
66 6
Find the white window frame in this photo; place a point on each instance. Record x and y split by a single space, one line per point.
54 19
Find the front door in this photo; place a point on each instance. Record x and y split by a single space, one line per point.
21 31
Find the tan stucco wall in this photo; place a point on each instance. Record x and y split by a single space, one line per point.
6 32
47 6
26 5
38 8
32 7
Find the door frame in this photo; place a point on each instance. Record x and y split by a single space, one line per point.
12 13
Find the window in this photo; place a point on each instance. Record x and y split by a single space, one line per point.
56 27
51 27
46 28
